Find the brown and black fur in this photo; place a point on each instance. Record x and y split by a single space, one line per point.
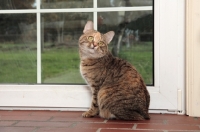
118 89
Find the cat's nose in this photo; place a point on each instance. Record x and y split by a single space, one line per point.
95 44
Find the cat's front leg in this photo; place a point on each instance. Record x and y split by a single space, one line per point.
94 109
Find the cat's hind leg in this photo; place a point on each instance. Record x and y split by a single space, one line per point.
145 114
121 114
105 113
133 115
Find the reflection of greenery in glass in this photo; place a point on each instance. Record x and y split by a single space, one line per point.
61 65
17 4
18 62
59 4
124 3
18 66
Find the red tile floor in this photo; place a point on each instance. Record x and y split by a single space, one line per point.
66 121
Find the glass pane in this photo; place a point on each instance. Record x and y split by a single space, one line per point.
60 56
124 3
17 4
58 4
18 48
133 39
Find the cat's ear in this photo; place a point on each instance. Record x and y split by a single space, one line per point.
109 36
88 26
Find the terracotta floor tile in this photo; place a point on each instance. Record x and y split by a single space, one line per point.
69 114
43 124
6 123
79 119
44 113
16 129
170 117
65 130
104 125
185 131
123 130
186 122
25 118
72 121
16 112
167 127
145 121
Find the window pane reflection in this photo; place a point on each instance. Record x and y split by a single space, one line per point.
60 56
133 39
17 4
124 3
58 4
18 48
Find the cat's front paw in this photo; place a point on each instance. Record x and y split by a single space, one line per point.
87 114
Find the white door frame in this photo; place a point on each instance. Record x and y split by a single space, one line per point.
193 57
167 96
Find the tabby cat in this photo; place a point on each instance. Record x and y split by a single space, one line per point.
118 90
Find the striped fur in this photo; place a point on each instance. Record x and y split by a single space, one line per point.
118 90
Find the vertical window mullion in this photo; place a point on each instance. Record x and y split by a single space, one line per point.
39 69
95 14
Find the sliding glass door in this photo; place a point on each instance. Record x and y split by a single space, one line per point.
39 50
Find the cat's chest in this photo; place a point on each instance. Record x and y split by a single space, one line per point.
88 70
81 71
90 73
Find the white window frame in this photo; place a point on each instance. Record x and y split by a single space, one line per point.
167 94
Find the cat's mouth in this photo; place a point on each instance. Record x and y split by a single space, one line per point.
93 47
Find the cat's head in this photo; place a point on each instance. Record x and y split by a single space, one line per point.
93 44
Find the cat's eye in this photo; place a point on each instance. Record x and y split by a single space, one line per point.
90 38
101 43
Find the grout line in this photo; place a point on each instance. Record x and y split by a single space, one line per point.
105 121
73 125
134 127
36 128
98 130
15 123
165 130
165 122
50 118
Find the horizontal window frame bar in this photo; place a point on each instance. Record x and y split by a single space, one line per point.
110 9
